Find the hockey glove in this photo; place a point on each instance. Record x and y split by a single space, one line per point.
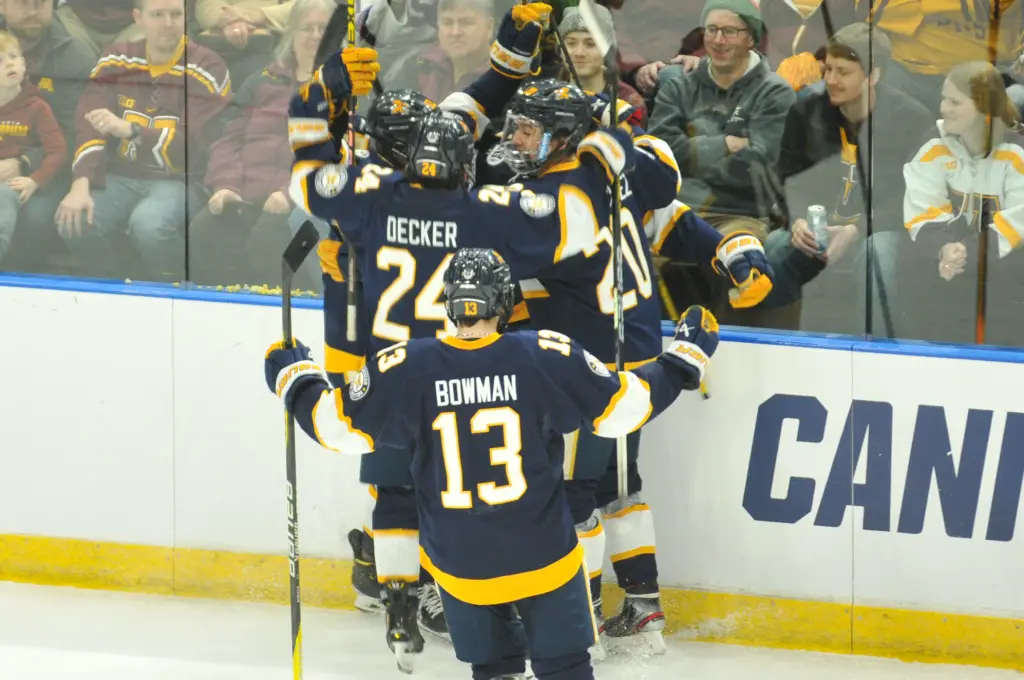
600 112
344 74
519 39
287 367
613 149
740 257
694 344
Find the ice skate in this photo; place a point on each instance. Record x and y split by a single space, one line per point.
637 628
403 632
431 612
364 573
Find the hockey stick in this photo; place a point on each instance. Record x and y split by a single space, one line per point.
606 44
872 275
342 26
981 300
301 245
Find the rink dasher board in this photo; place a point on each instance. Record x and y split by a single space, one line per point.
833 494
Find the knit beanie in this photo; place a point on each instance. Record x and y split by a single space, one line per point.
572 21
870 47
748 10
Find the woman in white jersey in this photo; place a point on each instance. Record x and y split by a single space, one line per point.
968 180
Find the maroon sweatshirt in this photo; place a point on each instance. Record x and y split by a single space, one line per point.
253 156
27 123
154 96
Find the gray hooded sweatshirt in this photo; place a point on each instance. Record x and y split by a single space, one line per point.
693 114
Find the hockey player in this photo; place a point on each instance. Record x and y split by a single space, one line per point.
393 118
485 413
409 228
578 301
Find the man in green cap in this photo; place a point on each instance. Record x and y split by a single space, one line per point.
724 123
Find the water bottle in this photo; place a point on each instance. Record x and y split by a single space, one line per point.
817 221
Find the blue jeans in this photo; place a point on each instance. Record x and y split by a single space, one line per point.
151 212
9 205
793 270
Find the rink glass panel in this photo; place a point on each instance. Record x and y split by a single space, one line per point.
235 245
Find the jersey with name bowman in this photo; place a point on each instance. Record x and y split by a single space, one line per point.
408 234
485 420
578 298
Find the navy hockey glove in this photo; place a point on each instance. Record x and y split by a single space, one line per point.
613 149
287 367
740 257
519 39
694 344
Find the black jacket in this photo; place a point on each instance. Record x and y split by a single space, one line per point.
817 167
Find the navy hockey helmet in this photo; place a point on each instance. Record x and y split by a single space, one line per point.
392 122
478 285
547 119
443 153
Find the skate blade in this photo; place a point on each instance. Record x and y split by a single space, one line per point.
370 605
405 657
650 643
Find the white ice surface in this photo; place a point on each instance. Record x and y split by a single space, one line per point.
69 634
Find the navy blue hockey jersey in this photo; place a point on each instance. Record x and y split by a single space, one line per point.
485 419
577 298
408 234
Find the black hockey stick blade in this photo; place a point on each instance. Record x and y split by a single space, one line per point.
335 34
301 245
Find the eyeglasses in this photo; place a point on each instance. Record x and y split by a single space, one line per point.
727 31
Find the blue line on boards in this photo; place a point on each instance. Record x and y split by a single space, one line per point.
189 291
829 341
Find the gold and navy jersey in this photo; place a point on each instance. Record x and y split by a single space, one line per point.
407 234
577 297
485 419
340 355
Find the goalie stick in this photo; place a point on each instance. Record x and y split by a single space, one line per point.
301 245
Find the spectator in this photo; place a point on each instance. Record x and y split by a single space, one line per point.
724 123
465 31
28 124
241 32
59 65
98 23
589 62
240 235
825 158
237 19
964 209
929 38
399 31
129 169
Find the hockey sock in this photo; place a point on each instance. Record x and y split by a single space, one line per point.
630 529
396 536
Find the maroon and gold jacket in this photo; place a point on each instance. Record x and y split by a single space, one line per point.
173 103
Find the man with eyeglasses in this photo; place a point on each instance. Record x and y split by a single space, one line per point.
724 123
